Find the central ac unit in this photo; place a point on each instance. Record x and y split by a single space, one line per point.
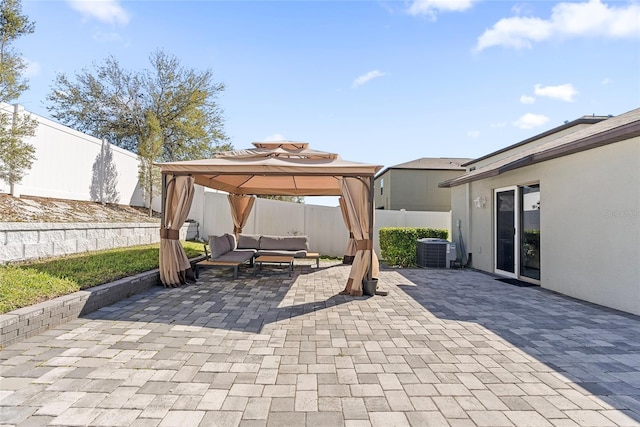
435 253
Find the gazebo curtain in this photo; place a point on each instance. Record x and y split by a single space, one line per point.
350 251
175 268
240 209
356 200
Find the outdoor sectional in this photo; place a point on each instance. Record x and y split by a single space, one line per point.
226 251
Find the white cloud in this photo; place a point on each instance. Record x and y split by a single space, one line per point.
366 78
473 134
275 137
530 121
587 19
107 11
432 7
564 92
606 81
525 99
32 69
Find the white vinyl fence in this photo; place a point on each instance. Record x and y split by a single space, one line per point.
323 224
75 166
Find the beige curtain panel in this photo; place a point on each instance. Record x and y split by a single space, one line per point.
175 268
356 199
350 251
240 209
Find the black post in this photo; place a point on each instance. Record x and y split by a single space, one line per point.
163 200
371 207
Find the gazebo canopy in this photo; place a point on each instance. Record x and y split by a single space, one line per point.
273 168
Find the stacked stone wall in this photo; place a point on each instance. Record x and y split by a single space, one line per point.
22 241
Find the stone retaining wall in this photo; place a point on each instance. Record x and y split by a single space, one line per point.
21 241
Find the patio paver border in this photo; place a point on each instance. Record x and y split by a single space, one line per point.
26 322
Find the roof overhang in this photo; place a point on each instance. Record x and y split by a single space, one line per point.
567 146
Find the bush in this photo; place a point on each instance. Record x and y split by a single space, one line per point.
398 244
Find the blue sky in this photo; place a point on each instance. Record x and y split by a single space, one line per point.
381 82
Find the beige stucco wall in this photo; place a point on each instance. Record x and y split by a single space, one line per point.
590 223
415 190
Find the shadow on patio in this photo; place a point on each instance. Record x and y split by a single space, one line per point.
596 348
246 304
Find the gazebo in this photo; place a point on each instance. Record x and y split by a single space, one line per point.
270 168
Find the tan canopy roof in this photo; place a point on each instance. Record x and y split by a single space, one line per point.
272 168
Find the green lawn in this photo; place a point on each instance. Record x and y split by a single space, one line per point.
31 283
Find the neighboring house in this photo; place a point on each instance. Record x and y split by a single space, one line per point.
561 210
413 186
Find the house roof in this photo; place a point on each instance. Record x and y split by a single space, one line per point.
614 129
588 120
431 163
273 168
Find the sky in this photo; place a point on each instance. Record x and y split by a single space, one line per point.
381 82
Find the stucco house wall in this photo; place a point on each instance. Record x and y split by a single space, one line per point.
589 224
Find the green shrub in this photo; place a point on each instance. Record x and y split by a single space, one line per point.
398 244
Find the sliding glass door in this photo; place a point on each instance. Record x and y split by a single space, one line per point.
506 231
517 231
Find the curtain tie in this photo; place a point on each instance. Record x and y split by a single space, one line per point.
167 233
351 235
364 245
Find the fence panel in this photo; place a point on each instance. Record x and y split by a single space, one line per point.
75 166
323 224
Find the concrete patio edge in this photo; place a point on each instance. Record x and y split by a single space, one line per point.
26 322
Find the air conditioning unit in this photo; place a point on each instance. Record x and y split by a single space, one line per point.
435 253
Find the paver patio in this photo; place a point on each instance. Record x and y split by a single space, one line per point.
445 347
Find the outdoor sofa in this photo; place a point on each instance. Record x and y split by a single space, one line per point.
227 251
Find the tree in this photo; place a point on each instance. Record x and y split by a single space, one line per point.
292 199
114 103
16 156
149 149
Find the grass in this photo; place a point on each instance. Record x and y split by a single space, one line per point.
31 283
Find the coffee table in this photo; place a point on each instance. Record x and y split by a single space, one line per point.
272 259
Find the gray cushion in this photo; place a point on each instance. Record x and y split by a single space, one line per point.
301 253
248 241
236 256
287 243
219 246
232 241
251 251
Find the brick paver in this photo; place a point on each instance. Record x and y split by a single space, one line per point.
444 348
